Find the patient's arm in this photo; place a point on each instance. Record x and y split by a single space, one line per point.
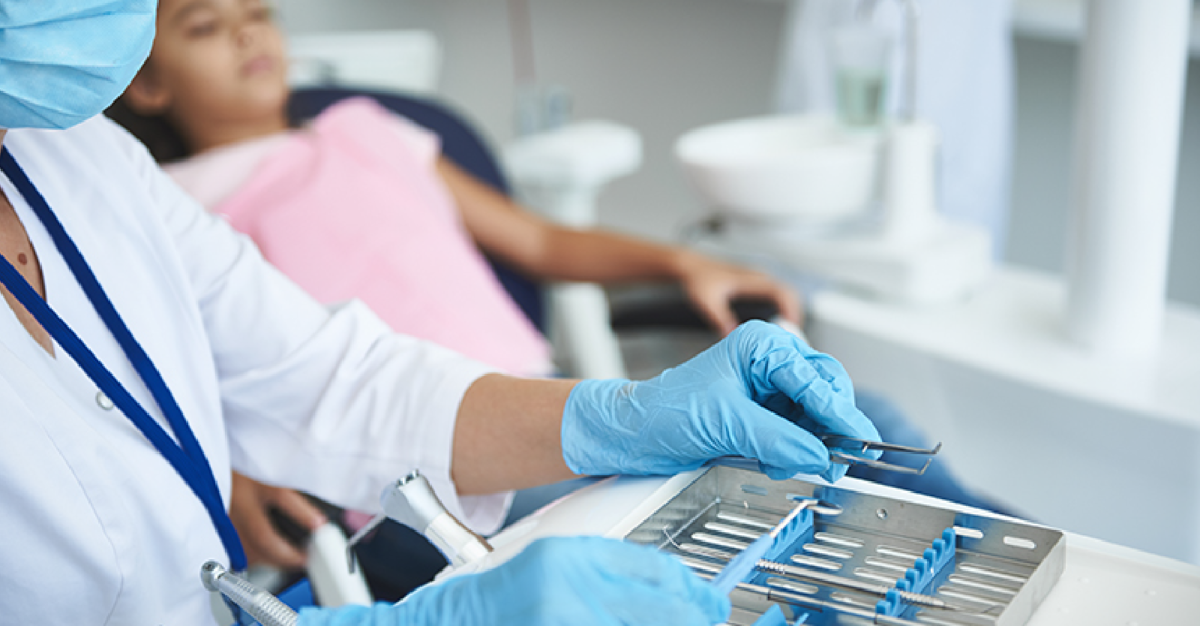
250 507
550 252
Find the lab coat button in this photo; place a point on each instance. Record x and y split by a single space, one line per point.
103 401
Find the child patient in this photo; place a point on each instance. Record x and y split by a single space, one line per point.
359 204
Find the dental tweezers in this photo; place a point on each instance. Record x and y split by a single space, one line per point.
849 449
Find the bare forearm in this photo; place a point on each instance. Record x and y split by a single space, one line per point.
607 257
550 252
509 434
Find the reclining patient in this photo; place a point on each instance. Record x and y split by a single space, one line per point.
359 204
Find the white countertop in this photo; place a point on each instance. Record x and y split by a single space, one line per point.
1013 325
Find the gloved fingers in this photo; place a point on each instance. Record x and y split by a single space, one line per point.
833 372
609 581
647 606
621 558
835 414
775 473
776 443
835 472
779 360
658 588
792 369
381 614
832 410
793 380
675 581
841 417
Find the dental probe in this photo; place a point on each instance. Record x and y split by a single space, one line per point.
260 604
747 559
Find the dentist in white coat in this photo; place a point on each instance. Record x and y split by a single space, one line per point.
145 349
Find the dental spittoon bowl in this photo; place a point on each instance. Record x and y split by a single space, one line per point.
782 167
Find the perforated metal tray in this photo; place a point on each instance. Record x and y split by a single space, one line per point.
1002 570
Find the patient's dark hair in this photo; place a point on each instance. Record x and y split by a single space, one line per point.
158 134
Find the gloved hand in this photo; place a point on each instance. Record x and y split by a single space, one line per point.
760 393
576 581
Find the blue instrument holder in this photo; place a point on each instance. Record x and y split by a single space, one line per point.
926 574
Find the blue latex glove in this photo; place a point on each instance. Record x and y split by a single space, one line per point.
760 393
575 581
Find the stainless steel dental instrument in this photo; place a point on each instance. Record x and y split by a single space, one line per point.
412 502
815 603
809 602
833 580
741 564
258 603
862 446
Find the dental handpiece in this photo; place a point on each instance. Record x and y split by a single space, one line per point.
412 502
258 603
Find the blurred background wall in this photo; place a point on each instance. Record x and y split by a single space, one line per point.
666 66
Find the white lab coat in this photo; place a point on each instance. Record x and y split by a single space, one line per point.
97 528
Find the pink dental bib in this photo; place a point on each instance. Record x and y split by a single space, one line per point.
348 209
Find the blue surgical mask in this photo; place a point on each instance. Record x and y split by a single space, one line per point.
64 61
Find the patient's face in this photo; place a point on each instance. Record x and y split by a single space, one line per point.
221 60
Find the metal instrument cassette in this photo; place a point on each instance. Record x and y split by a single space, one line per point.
996 573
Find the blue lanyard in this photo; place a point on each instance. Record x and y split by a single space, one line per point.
187 458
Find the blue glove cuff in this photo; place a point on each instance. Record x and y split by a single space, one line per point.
587 449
